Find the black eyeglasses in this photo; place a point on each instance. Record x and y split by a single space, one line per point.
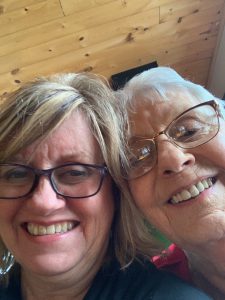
194 127
72 180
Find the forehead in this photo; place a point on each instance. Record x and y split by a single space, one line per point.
150 115
72 140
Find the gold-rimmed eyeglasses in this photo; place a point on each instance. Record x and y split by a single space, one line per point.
193 127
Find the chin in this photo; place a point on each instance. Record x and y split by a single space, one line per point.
49 266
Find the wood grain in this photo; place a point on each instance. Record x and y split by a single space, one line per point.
40 37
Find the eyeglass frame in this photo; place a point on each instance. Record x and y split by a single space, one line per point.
103 171
213 103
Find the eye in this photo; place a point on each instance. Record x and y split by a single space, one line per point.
73 174
15 175
187 130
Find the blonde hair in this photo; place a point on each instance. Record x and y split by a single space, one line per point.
40 106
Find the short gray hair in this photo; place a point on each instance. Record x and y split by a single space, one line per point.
160 84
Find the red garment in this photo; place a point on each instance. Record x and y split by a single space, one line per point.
173 260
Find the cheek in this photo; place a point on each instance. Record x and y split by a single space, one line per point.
142 192
8 211
96 213
216 149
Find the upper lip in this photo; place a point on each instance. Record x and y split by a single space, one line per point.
48 223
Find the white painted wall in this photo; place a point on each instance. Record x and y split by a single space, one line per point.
216 82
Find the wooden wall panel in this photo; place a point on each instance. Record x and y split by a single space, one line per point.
29 16
81 40
196 70
69 7
181 9
10 5
75 23
106 36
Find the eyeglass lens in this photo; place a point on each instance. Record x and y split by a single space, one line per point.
191 129
194 127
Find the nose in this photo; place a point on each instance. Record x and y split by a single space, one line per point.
44 200
173 159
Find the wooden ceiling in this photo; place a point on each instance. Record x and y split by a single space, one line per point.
40 37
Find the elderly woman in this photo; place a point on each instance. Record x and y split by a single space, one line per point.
176 151
61 223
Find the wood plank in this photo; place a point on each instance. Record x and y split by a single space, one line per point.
103 56
161 36
196 71
185 70
137 55
29 16
70 6
198 50
155 44
62 27
10 5
110 45
119 30
54 30
203 16
183 8
67 25
203 25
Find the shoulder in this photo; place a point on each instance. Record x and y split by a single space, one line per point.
149 281
12 291
9 294
171 287
140 281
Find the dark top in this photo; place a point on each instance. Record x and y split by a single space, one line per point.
136 282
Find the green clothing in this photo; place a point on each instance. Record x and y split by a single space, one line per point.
136 282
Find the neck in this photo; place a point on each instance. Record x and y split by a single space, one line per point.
72 285
36 288
208 270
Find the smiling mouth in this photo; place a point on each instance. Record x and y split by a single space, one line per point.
58 228
193 191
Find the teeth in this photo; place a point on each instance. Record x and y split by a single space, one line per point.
58 228
35 229
193 191
205 183
50 229
209 181
185 195
200 187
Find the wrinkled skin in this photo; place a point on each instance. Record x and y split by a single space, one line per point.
197 225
